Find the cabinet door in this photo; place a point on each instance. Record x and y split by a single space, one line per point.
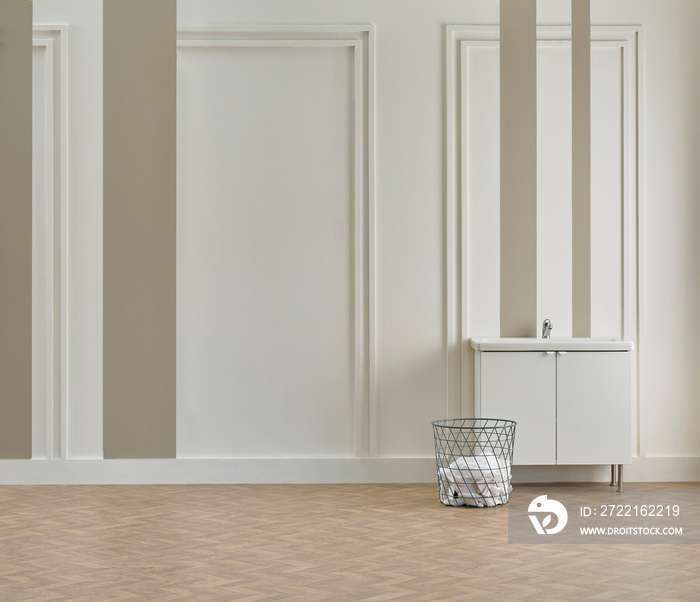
594 404
521 386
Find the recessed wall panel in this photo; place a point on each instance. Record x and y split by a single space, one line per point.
266 251
42 251
554 240
481 216
607 193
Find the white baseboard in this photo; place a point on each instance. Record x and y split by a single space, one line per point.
205 471
642 470
321 470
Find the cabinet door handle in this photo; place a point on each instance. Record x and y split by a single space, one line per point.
562 353
549 352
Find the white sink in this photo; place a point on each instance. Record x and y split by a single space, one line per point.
533 344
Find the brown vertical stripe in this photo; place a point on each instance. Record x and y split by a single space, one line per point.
518 168
15 229
139 228
581 168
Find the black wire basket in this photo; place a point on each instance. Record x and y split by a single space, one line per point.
474 457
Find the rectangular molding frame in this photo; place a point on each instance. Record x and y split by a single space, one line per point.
459 38
52 379
360 38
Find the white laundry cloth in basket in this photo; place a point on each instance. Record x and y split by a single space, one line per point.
475 481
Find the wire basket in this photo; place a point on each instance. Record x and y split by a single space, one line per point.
474 457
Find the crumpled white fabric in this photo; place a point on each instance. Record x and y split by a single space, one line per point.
479 481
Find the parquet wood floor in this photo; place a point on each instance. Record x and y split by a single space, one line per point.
303 542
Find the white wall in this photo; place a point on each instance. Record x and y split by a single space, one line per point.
412 329
672 218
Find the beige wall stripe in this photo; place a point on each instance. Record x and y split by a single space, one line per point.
139 228
518 168
15 229
581 168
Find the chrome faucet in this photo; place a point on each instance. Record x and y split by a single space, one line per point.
546 328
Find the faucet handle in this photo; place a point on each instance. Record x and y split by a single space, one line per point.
546 328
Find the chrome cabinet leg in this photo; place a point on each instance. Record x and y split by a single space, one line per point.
612 475
619 478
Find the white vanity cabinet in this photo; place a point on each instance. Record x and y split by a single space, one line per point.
571 398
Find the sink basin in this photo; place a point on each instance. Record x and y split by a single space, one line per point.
533 344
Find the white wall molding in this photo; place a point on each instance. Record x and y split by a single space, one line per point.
192 471
49 399
459 41
360 39
313 470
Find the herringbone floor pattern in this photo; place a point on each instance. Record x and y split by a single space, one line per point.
303 542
